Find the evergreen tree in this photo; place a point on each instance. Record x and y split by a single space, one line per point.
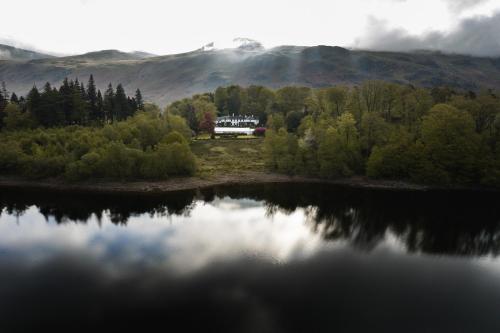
108 104
132 105
5 93
33 102
66 99
43 114
50 112
100 116
14 98
83 93
139 101
121 106
92 100
3 105
4 98
78 114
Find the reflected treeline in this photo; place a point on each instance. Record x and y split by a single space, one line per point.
79 207
447 222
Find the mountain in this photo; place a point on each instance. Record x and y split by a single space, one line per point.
13 53
104 56
246 44
143 55
163 79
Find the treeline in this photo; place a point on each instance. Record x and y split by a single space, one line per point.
380 129
257 101
386 130
72 103
146 146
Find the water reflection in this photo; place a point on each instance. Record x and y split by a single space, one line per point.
458 223
276 258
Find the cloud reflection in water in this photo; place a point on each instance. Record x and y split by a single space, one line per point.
223 229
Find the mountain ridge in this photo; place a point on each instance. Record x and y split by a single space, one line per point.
163 79
8 52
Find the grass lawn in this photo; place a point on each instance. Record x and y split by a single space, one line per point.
228 155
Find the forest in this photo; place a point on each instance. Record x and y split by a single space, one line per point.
66 133
72 103
378 129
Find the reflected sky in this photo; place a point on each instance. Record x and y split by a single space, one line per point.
222 229
254 259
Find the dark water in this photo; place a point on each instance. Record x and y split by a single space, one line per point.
276 258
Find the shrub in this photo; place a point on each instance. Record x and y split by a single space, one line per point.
259 131
144 146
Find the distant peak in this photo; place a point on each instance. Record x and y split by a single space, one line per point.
208 47
239 43
248 44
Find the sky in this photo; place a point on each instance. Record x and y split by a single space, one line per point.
175 26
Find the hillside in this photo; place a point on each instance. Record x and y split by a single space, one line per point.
13 53
103 56
166 78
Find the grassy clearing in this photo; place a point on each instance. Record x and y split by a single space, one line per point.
228 155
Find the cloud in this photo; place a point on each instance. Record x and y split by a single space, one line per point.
457 6
461 5
476 36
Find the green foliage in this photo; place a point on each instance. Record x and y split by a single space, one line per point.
173 137
379 129
374 130
451 144
16 119
74 104
396 159
293 119
199 112
339 149
147 145
385 130
276 122
280 149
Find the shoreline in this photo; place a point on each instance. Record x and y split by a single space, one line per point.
194 183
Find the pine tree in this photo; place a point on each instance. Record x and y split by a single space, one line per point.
108 104
45 107
100 116
92 99
3 101
66 99
14 98
83 92
138 100
132 105
5 93
3 105
78 113
33 102
121 105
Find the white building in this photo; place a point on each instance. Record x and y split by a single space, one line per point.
233 131
237 121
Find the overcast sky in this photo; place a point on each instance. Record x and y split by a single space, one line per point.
174 26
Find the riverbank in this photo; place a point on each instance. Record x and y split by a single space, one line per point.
193 183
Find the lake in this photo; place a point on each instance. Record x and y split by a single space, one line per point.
260 258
